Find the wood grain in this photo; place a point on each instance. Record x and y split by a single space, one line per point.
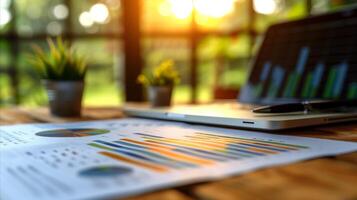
31 115
162 195
316 179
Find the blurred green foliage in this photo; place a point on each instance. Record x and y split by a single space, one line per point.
223 60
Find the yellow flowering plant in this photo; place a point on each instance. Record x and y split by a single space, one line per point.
164 74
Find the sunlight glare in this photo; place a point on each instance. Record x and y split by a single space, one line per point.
181 8
265 7
165 8
214 8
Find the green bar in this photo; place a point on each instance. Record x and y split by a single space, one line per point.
330 82
306 91
296 80
289 85
313 92
273 91
258 90
100 146
352 91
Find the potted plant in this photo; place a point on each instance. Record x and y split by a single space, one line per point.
62 71
160 82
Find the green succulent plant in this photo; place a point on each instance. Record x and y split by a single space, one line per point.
60 63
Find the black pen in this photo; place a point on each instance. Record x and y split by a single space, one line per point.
307 106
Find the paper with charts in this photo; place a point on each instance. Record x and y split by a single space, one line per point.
117 158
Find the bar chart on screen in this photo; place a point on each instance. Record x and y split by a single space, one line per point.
305 60
321 81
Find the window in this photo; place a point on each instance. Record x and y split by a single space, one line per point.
211 46
93 27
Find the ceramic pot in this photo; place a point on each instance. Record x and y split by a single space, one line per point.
160 95
65 97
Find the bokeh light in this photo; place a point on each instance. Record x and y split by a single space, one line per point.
5 3
86 19
99 13
5 16
54 28
60 11
265 7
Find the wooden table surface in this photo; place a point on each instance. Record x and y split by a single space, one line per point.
324 178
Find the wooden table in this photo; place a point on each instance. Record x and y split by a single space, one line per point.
324 178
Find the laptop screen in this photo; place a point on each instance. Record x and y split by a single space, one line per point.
313 58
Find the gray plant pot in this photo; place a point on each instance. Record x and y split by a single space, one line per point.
65 97
160 95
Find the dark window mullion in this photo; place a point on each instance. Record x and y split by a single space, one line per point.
14 52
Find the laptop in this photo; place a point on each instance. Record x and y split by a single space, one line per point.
307 59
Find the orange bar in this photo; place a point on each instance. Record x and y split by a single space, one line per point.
266 144
255 142
166 151
135 162
184 157
261 150
183 143
224 144
147 144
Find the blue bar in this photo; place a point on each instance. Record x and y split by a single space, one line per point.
265 71
262 147
120 149
213 155
341 75
143 155
278 75
150 153
277 78
132 155
143 134
304 53
320 68
244 150
193 152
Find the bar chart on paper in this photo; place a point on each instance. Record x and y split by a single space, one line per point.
114 159
199 149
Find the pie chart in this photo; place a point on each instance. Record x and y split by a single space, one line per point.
105 171
76 132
